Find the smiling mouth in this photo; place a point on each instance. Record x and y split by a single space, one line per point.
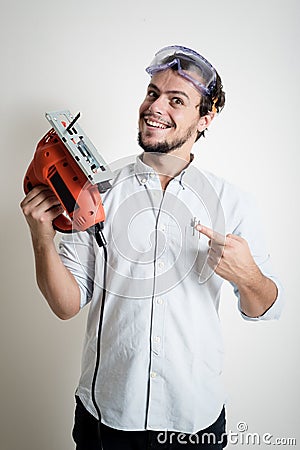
153 123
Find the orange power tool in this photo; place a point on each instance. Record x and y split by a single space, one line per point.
67 161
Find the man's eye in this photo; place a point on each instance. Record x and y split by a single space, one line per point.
177 101
152 94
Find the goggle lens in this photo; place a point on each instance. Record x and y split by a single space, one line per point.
183 57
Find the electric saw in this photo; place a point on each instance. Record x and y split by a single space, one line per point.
67 161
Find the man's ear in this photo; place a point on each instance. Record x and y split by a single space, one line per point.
205 121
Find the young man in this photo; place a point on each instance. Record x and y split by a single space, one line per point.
173 233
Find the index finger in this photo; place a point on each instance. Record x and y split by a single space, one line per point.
214 236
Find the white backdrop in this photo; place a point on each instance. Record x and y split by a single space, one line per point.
90 57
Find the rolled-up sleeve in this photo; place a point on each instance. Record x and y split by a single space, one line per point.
275 310
77 254
250 228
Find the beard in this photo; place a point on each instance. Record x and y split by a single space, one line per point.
165 147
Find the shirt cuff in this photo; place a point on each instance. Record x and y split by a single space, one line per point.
275 310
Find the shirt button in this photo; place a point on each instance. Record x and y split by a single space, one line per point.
163 228
152 174
160 301
161 264
157 339
153 374
143 180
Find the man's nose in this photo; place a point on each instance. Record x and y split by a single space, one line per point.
158 106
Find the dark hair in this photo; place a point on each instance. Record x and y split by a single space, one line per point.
214 100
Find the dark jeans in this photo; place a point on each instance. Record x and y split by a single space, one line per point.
86 436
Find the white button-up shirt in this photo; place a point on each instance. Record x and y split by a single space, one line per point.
161 345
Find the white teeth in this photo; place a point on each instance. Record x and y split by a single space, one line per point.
156 124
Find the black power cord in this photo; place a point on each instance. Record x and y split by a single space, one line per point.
102 243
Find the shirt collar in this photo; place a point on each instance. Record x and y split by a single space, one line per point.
144 172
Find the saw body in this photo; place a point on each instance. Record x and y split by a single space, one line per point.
76 177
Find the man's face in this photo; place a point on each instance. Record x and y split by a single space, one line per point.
169 116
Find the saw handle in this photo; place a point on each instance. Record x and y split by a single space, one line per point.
61 223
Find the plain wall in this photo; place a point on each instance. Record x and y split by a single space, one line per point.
90 57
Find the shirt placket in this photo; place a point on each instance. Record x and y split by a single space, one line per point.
157 376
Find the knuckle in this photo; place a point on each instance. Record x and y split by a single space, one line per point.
25 210
42 219
34 215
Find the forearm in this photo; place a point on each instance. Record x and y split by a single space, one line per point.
56 283
257 293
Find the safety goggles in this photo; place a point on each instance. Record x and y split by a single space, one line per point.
186 60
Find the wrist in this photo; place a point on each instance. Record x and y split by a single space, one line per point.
42 243
251 276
